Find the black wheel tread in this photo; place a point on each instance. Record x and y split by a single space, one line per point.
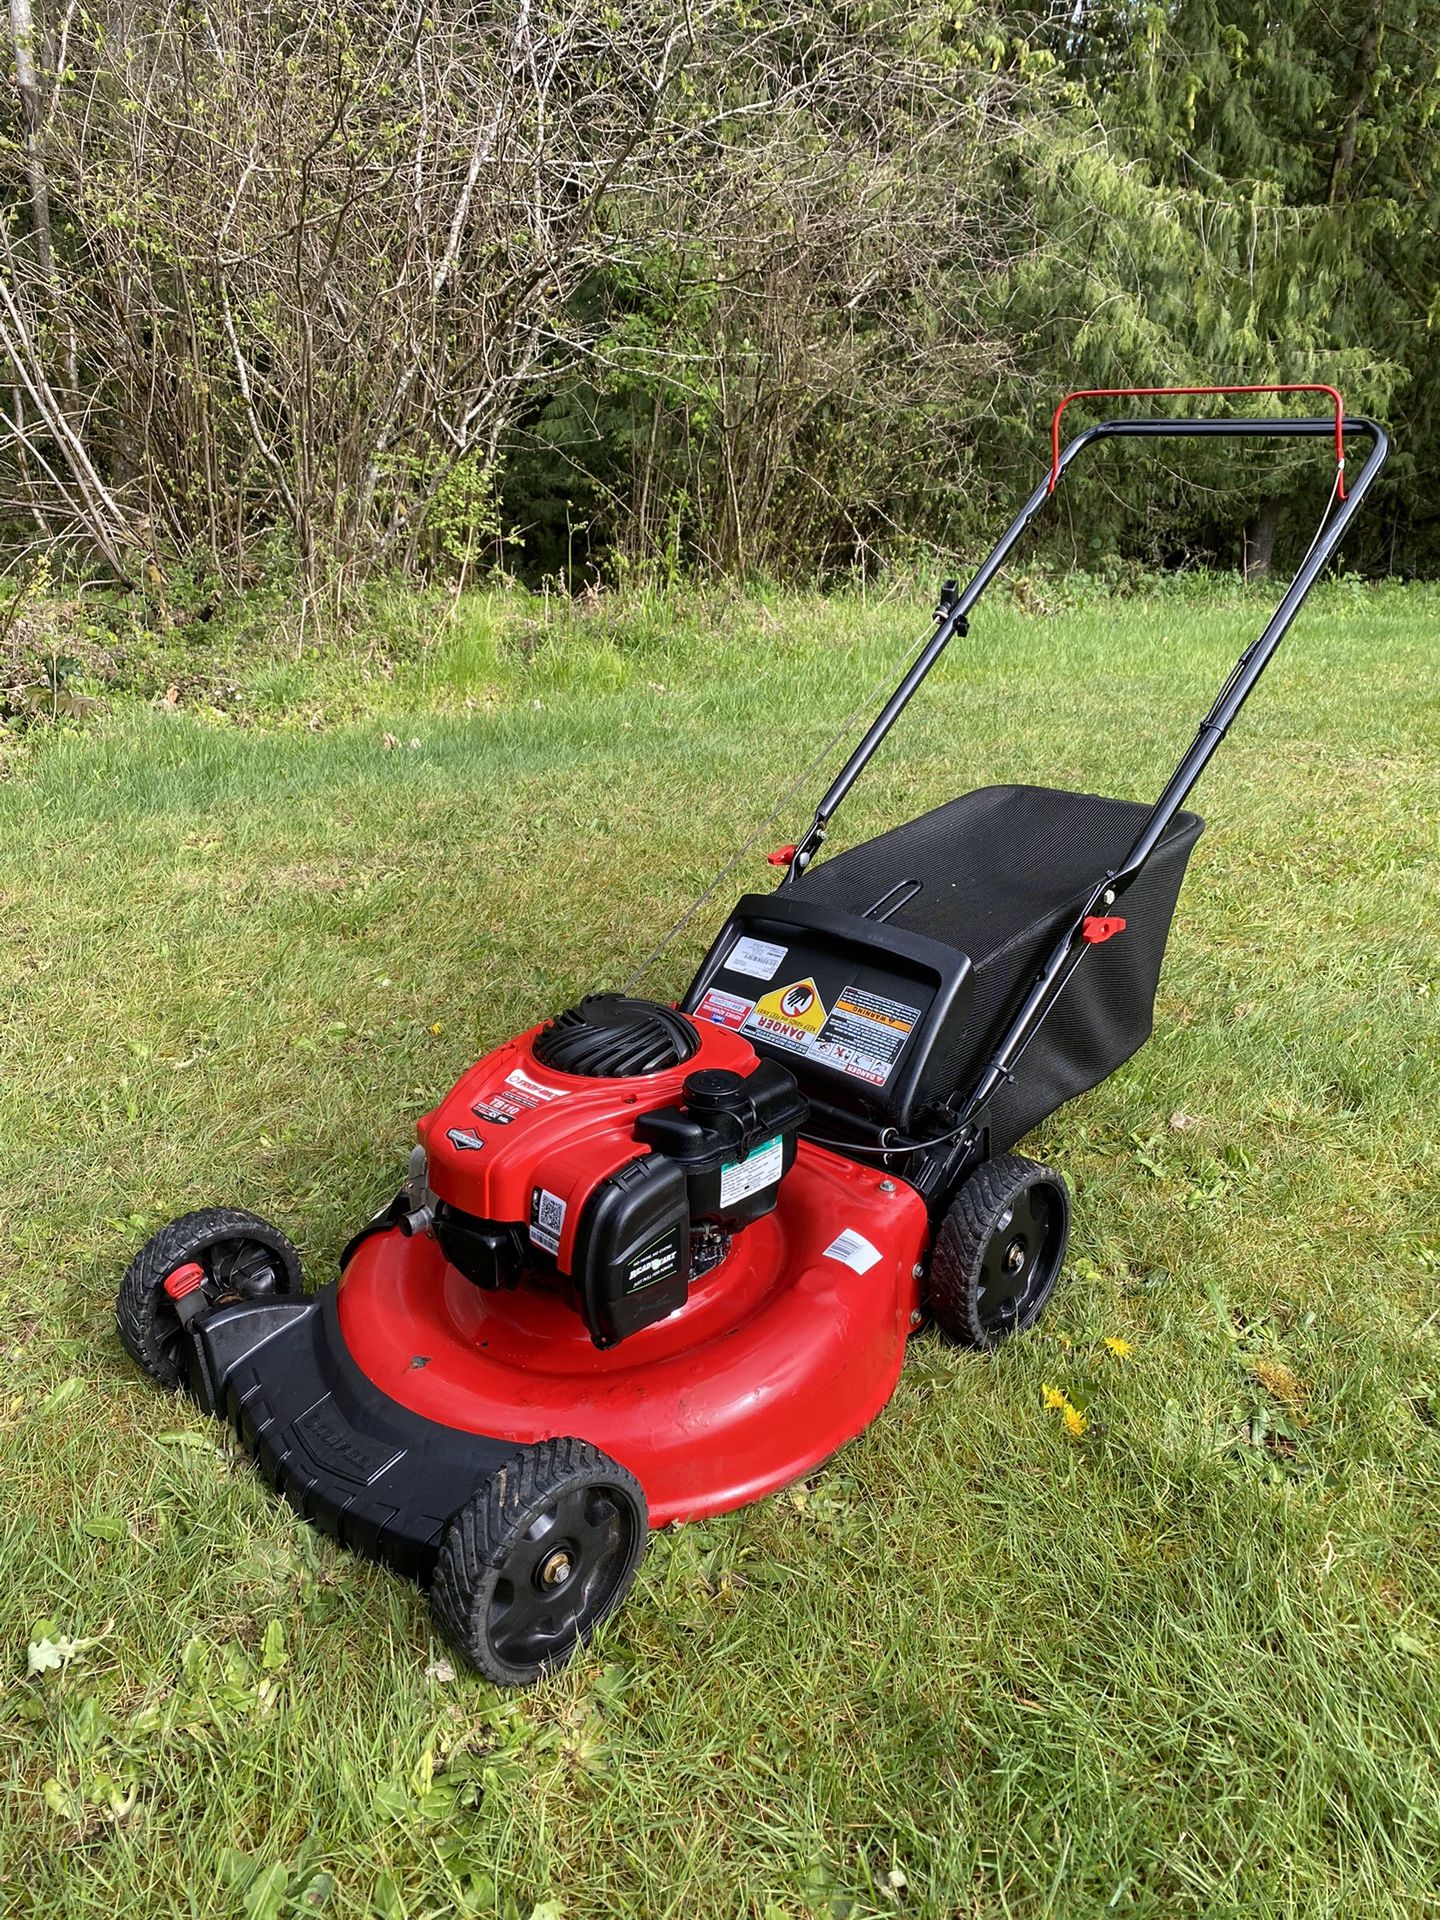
481 1534
137 1303
983 1196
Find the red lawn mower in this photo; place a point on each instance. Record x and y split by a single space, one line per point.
653 1262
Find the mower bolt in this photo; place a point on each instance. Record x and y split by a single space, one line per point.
556 1570
1108 897
917 1271
887 1186
917 1318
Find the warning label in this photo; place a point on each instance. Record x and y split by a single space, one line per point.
724 1009
518 1095
861 1035
865 1033
790 1017
760 1168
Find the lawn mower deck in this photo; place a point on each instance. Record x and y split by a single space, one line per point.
372 1404
652 1262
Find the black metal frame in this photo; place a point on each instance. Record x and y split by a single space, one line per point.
952 619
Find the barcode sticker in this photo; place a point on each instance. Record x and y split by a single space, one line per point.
757 958
547 1219
853 1250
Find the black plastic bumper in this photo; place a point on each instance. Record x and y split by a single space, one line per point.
375 1476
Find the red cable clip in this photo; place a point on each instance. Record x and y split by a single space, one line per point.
184 1280
781 857
1098 927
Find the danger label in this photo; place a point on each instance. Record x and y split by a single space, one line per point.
861 1035
790 1016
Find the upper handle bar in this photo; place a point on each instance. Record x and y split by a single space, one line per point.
952 617
1142 393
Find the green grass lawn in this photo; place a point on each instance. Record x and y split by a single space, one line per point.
1185 1664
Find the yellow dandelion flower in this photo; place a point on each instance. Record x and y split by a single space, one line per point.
1075 1421
1054 1397
1122 1349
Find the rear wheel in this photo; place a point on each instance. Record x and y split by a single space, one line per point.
536 1558
220 1254
999 1251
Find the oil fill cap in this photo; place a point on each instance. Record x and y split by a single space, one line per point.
713 1090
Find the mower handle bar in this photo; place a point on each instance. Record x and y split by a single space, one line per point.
1071 948
951 617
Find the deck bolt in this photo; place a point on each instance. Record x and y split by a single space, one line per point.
917 1271
916 1318
1109 896
887 1186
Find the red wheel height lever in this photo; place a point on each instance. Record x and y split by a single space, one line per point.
1147 393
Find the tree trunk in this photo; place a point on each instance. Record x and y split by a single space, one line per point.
1366 55
27 85
1260 541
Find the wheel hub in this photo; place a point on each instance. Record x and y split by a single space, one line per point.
556 1568
1015 1255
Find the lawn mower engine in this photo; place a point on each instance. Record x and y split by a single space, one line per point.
611 1154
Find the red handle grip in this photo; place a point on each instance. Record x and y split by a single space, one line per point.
1145 393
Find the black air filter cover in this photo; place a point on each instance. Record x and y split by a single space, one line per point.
611 1037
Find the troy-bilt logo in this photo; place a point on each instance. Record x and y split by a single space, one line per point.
465 1139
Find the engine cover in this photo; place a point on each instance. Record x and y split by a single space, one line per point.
603 1177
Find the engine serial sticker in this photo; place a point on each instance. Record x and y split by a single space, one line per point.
789 1017
547 1219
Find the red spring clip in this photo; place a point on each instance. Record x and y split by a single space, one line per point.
184 1280
1098 927
781 857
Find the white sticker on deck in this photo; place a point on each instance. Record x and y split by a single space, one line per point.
853 1250
757 958
547 1219
760 1168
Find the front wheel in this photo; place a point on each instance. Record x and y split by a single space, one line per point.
202 1260
536 1558
999 1251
